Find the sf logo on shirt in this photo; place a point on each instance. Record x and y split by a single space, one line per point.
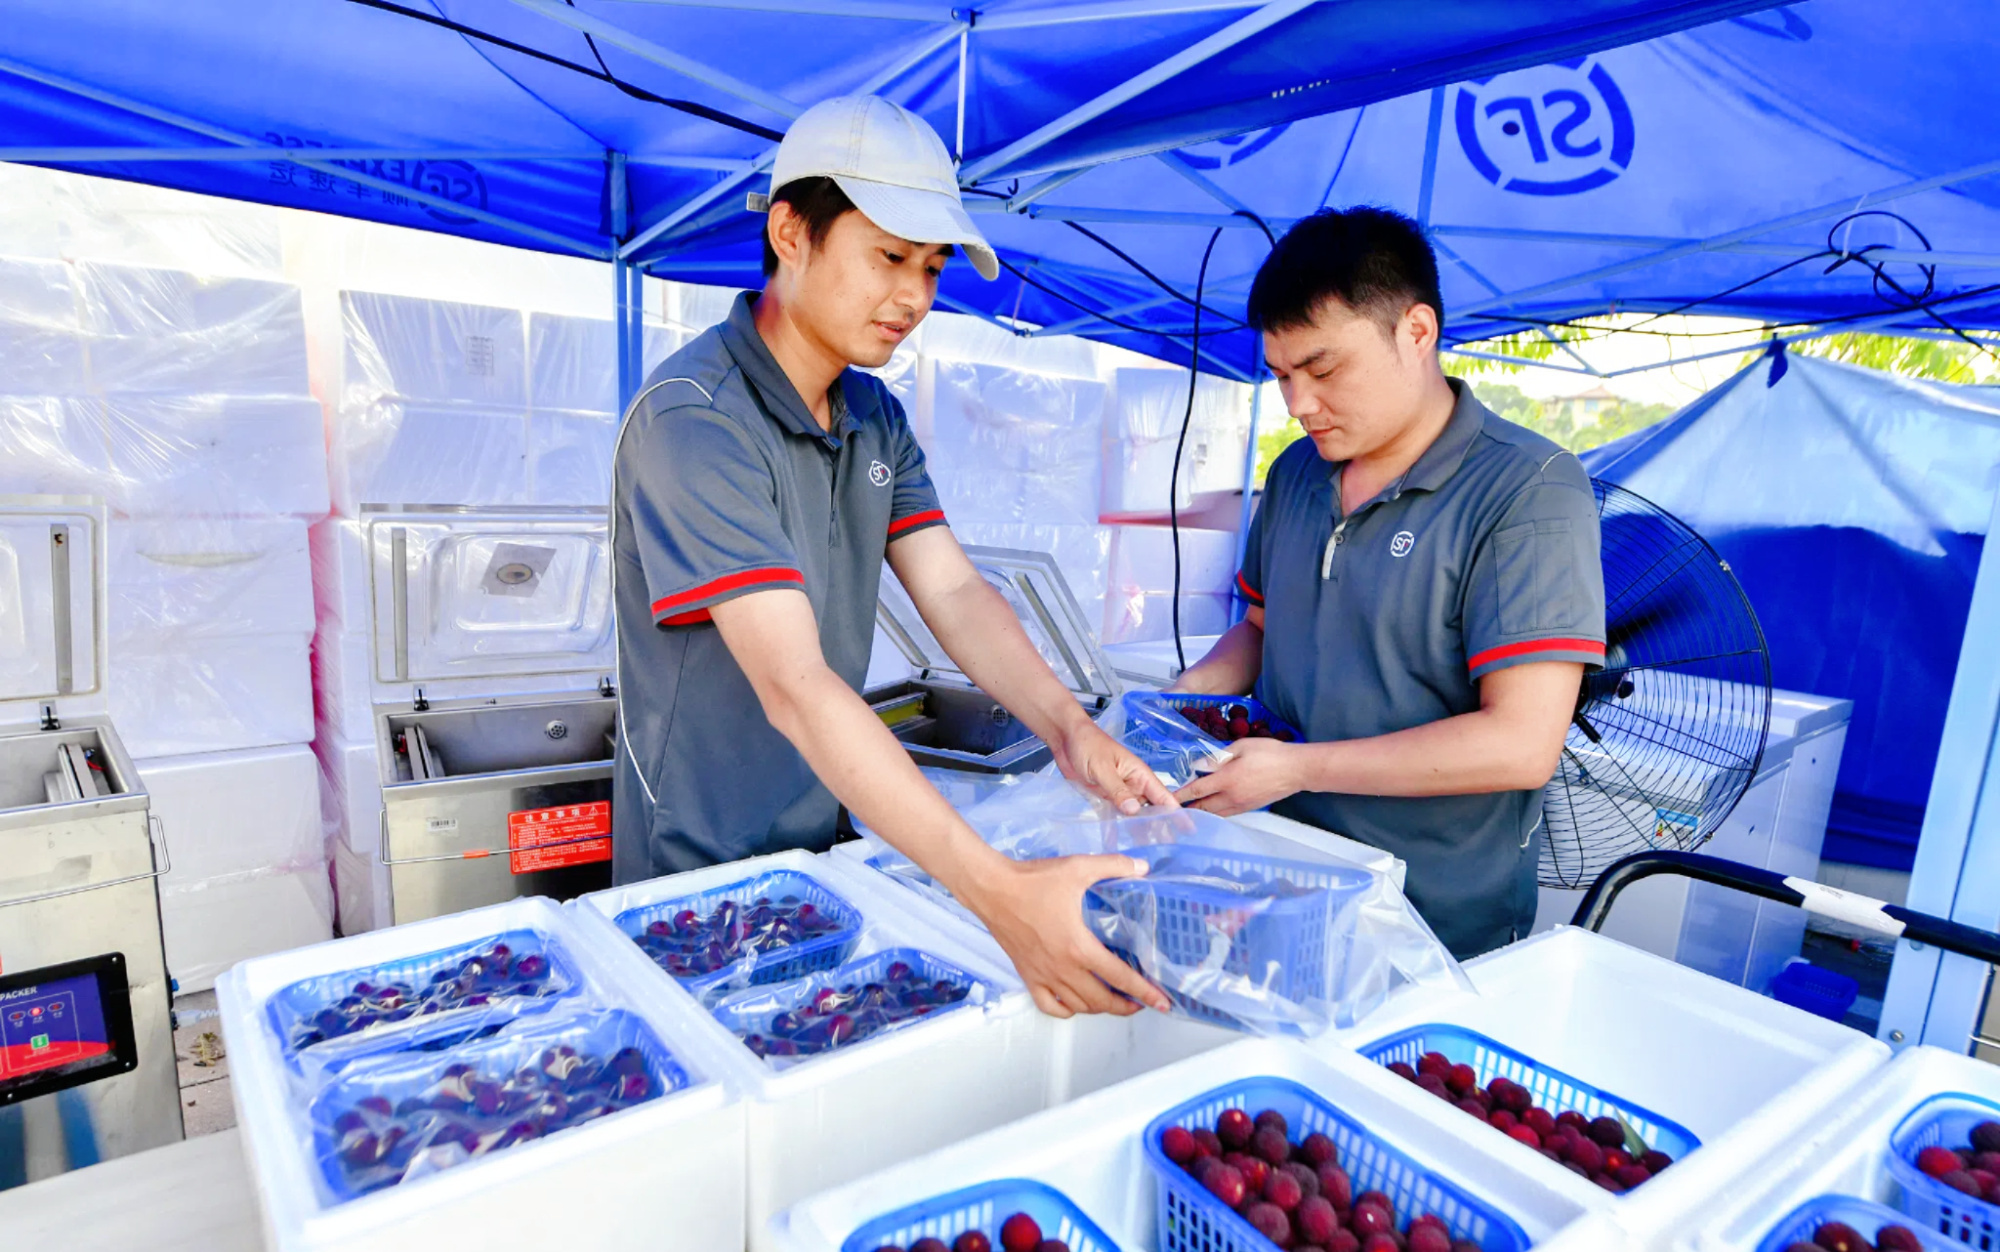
878 473
1400 546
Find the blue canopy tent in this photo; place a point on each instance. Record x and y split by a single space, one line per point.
1570 159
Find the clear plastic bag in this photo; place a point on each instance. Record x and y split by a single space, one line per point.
381 1121
769 928
1158 728
789 1023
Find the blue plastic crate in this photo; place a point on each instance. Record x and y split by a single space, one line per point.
983 1207
398 1076
1280 943
1192 1220
291 1010
1943 1120
777 965
1822 992
750 1011
1553 1090
1865 1216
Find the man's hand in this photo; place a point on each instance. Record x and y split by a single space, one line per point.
1106 768
1034 910
1260 772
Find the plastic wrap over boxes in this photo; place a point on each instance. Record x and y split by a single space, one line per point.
1143 426
1008 445
1138 600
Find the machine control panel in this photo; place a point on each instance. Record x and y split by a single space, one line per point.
63 1026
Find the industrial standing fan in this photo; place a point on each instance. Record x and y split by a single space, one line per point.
1667 737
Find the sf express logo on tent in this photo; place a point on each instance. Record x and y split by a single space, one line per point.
1554 130
1231 149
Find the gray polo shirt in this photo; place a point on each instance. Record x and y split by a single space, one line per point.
723 485
1483 556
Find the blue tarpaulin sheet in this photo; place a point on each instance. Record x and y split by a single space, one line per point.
1853 506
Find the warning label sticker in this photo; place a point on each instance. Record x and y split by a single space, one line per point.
570 834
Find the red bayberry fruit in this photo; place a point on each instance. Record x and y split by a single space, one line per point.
1380 1201
1234 1128
1898 1239
1472 1106
1053 1245
1615 1159
1525 1134
1984 1179
971 1241
1542 1120
1271 1222
1283 1190
1178 1145
1608 1131
1609 1183
1344 1240
1316 1220
1586 1153
1225 1183
1435 1085
1370 1219
1632 1175
1335 1188
1428 1239
1318 1150
1986 1137
1380 1243
1937 1161
1209 1142
928 1244
1021 1233
1270 1143
1253 1168
1403 1069
1988 1161
1433 1063
1959 1180
1274 1119
1501 1120
1841 1237
1570 1117
1465 1245
1462 1079
1307 1176
1655 1161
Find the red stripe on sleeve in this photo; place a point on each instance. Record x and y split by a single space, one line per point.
728 582
1248 591
915 519
1506 650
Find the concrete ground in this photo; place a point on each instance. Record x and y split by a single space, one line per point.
203 1066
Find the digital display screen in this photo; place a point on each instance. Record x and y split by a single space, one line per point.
63 1025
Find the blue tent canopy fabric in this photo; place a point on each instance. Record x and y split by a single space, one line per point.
1853 506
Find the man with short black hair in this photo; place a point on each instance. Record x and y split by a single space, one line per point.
1425 609
760 480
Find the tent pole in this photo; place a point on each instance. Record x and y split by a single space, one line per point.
1047 185
647 50
964 42
1238 607
1179 165
618 200
1934 997
1432 128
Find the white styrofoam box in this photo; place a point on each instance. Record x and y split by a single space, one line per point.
212 924
172 580
213 454
1844 1151
361 900
1153 662
1745 1074
1138 601
351 800
828 1120
213 694
672 1164
53 445
169 331
1091 1150
40 337
1082 553
573 361
340 575
413 452
431 351
1008 445
1142 425
231 812
569 457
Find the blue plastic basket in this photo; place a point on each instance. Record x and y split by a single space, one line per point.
750 1011
1865 1216
983 1207
395 1075
1280 943
292 1007
1159 735
1193 1220
778 964
1822 992
1553 1090
1943 1120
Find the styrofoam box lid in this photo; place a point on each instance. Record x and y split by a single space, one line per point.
40 337
214 454
428 452
432 350
51 599
279 1160
164 330
573 361
888 924
208 577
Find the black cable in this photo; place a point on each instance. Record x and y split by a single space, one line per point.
1187 418
1155 279
604 76
1081 307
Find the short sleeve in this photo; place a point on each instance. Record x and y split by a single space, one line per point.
1536 587
914 505
1249 586
702 503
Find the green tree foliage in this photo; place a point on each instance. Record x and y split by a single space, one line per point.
1945 361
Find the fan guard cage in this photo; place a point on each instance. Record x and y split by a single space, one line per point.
1668 736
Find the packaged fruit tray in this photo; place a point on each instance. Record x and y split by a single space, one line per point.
987 1217
1816 1226
517 972
1935 1154
1259 722
1277 915
780 925
1529 1101
821 1012
407 1116
1385 1187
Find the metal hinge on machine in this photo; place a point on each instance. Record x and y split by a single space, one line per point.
49 719
420 703
605 687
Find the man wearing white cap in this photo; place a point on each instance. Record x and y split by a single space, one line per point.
759 483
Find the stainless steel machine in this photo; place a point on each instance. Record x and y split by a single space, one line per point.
494 709
86 1038
944 719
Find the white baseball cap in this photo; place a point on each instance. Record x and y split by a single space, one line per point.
891 164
